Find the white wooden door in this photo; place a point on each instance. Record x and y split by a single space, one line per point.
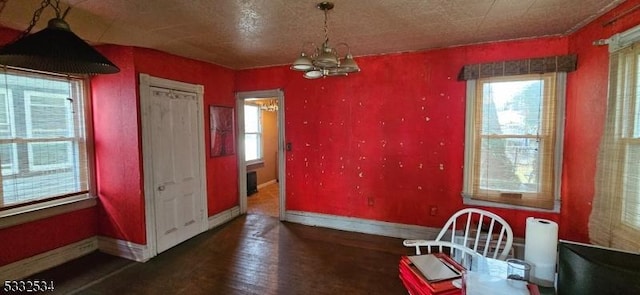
179 210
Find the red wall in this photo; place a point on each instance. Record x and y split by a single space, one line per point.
118 149
29 239
394 133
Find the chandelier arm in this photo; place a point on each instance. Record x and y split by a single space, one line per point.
345 45
305 46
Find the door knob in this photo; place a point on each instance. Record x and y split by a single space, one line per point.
161 188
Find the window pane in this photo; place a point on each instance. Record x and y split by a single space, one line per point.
512 107
251 119
6 130
48 115
252 147
509 164
49 155
40 186
8 156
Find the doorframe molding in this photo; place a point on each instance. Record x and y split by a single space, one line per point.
146 82
242 168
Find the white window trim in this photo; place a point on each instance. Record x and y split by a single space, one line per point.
70 136
561 78
260 158
29 213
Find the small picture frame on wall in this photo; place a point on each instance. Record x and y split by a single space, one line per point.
222 131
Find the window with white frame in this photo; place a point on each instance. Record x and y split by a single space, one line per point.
615 216
252 133
42 138
514 140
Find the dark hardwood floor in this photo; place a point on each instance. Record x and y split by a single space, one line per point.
252 254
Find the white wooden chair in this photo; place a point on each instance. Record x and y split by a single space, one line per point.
482 231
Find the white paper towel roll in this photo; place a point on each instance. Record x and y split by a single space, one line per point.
541 250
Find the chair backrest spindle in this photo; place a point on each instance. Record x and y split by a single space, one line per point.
493 236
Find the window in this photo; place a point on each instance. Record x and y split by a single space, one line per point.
513 144
252 133
42 138
615 216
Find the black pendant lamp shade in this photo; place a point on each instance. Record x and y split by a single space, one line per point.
56 49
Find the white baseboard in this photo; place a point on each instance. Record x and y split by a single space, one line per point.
35 264
367 226
223 217
124 249
267 183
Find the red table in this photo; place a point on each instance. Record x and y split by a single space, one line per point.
417 284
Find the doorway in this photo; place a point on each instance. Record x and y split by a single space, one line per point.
173 158
256 160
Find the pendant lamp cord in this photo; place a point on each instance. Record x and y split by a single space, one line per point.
36 15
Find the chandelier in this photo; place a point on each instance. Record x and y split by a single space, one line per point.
55 48
269 105
325 61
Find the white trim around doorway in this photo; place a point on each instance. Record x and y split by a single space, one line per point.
242 168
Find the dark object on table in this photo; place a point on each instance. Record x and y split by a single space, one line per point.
591 270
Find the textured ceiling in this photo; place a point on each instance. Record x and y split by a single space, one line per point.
242 34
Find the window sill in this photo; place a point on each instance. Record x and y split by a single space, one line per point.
253 165
39 211
469 201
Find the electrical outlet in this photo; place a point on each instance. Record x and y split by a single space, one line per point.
433 210
370 201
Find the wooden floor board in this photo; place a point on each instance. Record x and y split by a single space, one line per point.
252 254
